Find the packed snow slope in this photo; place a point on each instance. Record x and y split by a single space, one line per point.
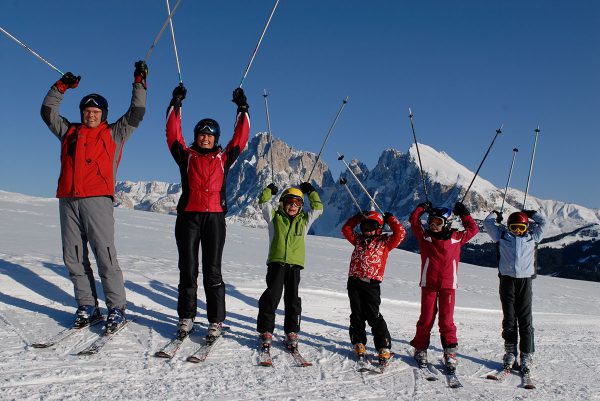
36 302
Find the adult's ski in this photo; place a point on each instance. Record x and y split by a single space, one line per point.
293 350
65 333
101 341
202 352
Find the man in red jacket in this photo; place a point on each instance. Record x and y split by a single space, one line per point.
90 155
202 206
440 253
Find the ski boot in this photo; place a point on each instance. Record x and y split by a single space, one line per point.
266 339
510 356
450 359
526 363
86 315
360 350
114 321
214 331
291 340
184 327
420 356
384 356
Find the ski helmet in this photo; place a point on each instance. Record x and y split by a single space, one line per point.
94 100
518 222
371 221
207 126
440 216
294 193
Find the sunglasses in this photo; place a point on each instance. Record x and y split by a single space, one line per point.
436 221
208 129
518 228
293 201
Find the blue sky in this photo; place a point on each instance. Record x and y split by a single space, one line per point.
464 67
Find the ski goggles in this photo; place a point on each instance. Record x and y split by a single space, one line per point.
293 201
436 221
208 129
518 228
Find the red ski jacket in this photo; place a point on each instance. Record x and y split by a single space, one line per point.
370 254
440 256
203 175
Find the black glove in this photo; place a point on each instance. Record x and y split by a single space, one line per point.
273 189
499 216
306 188
140 73
426 206
67 81
239 98
386 217
529 213
178 95
460 209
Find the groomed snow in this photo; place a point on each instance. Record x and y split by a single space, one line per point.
36 301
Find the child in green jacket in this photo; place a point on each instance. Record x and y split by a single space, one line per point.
288 227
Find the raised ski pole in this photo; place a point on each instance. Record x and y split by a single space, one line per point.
515 150
159 34
343 183
341 158
412 126
537 132
258 44
270 135
498 132
31 51
327 136
174 44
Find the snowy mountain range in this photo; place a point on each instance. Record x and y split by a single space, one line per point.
569 250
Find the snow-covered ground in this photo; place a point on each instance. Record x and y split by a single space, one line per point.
36 301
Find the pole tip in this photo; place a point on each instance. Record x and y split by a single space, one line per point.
410 114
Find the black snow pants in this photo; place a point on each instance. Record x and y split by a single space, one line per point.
280 277
516 298
193 229
365 298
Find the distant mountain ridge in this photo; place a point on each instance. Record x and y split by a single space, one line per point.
569 250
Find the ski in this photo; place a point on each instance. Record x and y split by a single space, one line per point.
64 334
264 357
101 341
452 379
526 381
171 348
298 358
426 372
499 375
202 352
362 363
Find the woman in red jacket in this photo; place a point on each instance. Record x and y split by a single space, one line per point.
202 206
440 253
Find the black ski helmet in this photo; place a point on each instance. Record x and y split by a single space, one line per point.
444 214
94 100
207 126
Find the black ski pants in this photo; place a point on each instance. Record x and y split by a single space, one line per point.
193 229
280 277
365 298
516 298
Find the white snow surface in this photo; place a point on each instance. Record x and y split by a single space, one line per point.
36 302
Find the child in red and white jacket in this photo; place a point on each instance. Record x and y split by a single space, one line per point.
440 253
367 266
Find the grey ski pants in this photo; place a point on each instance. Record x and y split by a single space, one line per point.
90 220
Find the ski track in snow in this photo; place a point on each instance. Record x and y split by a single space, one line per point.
36 302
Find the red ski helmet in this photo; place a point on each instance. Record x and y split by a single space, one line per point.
371 221
518 222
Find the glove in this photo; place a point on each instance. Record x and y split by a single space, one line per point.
460 209
426 206
239 98
140 73
306 188
67 81
499 216
386 217
273 189
529 213
178 95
